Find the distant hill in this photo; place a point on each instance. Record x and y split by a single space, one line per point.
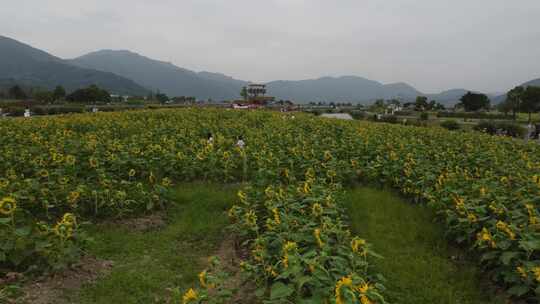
177 81
162 76
355 89
449 97
502 97
534 83
345 88
28 66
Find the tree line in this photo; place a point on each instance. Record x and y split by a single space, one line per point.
90 94
521 99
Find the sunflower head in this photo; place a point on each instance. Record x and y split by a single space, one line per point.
8 205
69 219
63 230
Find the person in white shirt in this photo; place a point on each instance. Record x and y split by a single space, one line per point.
530 131
240 143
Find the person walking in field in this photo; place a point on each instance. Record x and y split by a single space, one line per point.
530 130
240 143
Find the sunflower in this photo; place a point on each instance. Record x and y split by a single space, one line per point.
43 173
4 182
69 219
166 182
189 296
63 230
73 197
357 245
93 162
70 160
7 205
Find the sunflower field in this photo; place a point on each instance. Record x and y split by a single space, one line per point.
58 174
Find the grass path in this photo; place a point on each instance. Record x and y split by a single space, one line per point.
418 261
147 263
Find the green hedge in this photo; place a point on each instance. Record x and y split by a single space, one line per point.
492 128
473 115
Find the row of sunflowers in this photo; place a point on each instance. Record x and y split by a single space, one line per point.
56 173
301 250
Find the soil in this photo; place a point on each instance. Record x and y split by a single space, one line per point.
230 255
50 289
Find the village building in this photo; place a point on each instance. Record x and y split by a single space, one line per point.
254 97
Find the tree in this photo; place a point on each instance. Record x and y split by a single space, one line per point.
505 107
474 101
244 93
59 93
44 96
162 98
531 100
16 92
379 103
90 94
438 106
421 103
513 99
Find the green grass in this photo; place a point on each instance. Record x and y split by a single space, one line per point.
147 263
418 262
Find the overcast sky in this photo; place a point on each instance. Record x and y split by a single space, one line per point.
434 45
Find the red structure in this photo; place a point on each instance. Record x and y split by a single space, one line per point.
254 97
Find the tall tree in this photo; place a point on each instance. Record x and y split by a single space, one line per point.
244 93
162 98
59 93
474 101
513 100
531 100
90 94
421 103
44 96
16 92
505 107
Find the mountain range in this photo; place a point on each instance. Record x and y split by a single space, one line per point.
25 65
162 76
126 72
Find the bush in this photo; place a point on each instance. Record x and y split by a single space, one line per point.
513 129
450 125
416 123
472 115
14 111
135 102
424 116
494 128
388 119
358 114
65 110
404 113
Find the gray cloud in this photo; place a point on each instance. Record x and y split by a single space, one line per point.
488 45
